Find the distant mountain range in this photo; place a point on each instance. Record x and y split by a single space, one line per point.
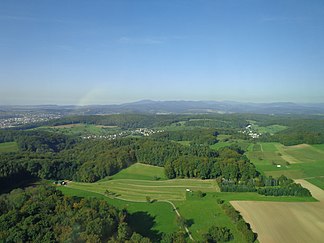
182 107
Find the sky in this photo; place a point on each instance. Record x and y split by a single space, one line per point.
117 51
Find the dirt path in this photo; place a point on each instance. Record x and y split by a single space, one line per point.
281 222
177 212
261 147
286 156
317 192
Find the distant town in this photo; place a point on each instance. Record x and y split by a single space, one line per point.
20 119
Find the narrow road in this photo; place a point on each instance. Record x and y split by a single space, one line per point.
177 212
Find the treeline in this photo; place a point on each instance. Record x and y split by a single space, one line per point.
269 186
43 214
290 190
195 136
240 223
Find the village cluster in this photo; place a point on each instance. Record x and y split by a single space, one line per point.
249 131
138 132
23 119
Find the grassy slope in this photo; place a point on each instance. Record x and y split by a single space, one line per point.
272 129
140 172
81 129
8 147
138 190
202 213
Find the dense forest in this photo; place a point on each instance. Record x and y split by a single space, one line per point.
44 214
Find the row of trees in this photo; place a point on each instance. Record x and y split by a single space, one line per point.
241 225
290 190
269 186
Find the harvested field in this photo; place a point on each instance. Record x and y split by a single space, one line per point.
102 126
68 125
283 150
285 221
137 190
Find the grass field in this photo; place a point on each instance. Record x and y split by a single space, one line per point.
140 172
202 213
272 129
185 143
80 129
238 142
8 147
300 161
138 190
219 145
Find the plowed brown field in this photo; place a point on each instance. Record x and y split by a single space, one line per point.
284 221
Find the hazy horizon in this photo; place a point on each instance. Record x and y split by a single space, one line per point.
114 52
183 100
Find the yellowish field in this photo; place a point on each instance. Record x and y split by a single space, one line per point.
138 190
102 126
68 125
284 221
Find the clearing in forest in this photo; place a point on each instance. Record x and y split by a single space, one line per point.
140 181
139 190
8 147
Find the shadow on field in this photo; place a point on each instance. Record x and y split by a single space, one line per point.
143 223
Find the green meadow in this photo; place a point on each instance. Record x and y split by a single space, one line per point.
8 147
140 172
272 129
81 129
299 161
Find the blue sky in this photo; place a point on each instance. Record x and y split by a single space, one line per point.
104 52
